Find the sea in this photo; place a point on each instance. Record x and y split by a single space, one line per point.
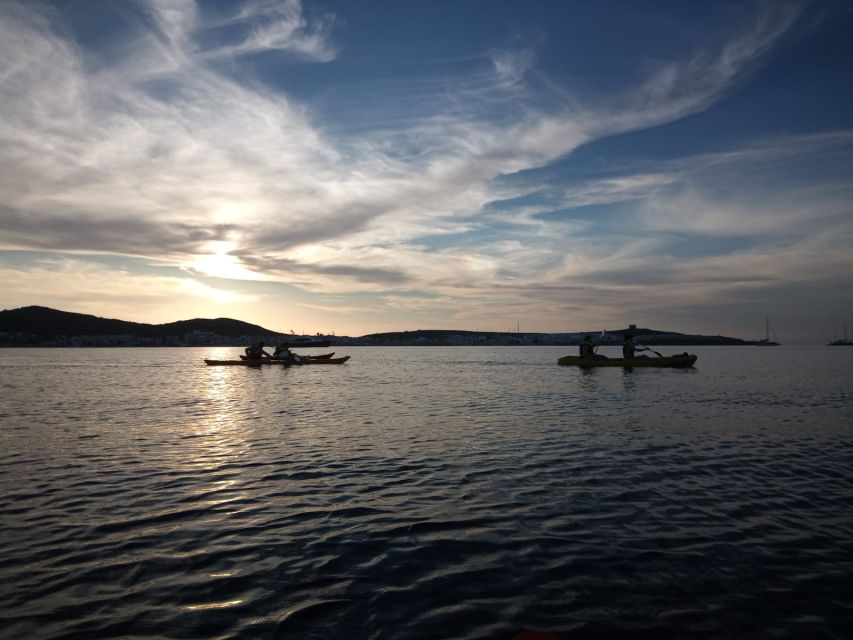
425 493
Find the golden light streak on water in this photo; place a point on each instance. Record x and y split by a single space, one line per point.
212 605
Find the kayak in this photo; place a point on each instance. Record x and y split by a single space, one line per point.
324 356
247 362
681 360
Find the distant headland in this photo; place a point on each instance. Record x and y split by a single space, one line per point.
37 326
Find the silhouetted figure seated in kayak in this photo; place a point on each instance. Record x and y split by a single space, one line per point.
256 352
628 348
283 352
587 349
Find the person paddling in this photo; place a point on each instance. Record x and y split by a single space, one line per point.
256 352
628 348
587 349
283 352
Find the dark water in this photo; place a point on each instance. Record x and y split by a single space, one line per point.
425 493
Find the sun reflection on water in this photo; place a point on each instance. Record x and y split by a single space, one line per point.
217 436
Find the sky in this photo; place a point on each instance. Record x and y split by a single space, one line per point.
356 167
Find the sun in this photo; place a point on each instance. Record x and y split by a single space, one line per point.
219 263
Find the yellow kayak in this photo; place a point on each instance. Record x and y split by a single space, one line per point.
681 360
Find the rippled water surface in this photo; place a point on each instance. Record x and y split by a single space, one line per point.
425 493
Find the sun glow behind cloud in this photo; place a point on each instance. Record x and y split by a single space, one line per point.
171 150
219 263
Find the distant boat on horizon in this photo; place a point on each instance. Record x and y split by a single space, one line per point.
843 342
767 342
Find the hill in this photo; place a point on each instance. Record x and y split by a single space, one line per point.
45 322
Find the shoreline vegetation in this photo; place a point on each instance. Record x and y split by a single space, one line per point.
37 326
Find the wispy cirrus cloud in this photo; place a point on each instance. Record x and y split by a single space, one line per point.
618 189
273 25
512 65
675 89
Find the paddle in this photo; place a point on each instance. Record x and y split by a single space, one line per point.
595 348
652 350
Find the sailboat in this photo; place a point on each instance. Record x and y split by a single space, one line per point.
767 342
844 342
